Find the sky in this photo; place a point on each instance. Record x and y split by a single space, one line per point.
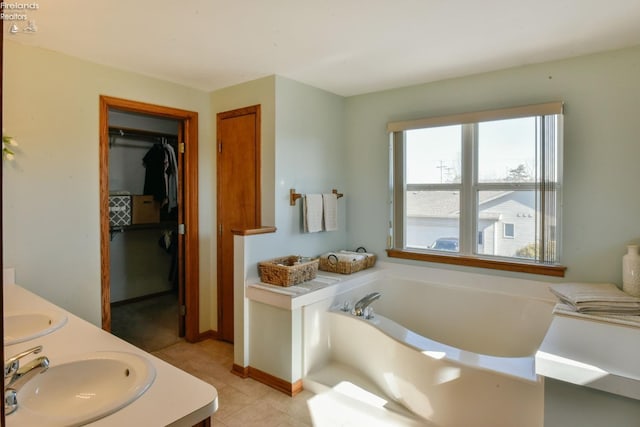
433 154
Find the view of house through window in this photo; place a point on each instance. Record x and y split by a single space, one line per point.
486 187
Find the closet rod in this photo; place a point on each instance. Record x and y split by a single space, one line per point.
141 135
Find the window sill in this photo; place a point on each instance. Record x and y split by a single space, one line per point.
542 269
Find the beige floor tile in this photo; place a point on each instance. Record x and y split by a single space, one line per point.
218 423
250 387
295 406
242 401
261 414
231 401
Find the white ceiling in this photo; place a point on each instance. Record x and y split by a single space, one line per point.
347 47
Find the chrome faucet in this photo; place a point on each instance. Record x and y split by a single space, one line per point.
364 302
15 375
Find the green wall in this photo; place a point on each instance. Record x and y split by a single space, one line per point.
601 150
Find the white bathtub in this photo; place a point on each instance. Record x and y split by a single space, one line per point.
456 356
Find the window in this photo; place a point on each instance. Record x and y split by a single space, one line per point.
463 184
509 231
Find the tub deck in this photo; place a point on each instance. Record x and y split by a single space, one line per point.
353 399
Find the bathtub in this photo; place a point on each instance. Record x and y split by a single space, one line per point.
455 356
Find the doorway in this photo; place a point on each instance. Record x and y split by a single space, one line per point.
238 199
185 275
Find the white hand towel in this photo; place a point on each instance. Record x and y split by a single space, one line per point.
312 213
330 208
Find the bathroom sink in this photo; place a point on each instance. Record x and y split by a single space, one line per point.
85 389
25 326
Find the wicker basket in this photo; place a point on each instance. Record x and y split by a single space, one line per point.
334 263
371 258
288 271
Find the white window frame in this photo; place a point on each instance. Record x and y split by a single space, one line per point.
469 186
504 230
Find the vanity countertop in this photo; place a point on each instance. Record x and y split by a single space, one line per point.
175 398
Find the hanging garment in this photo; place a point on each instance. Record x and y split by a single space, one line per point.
172 177
155 183
169 242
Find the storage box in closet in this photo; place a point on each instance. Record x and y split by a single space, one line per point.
119 210
146 210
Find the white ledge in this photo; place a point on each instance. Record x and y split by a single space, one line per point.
325 285
596 354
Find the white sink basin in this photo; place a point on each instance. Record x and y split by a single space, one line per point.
85 389
25 326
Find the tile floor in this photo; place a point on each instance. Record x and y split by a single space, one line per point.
151 324
242 402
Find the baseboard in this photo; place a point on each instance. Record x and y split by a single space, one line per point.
241 371
290 389
208 335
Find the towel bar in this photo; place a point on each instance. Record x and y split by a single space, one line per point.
293 196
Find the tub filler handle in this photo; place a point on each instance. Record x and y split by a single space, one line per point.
364 302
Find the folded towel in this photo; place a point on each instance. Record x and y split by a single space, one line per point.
596 298
312 212
566 310
343 256
330 210
371 258
366 254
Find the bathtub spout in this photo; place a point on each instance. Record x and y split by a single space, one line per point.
364 302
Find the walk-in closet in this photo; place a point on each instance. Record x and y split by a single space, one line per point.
144 179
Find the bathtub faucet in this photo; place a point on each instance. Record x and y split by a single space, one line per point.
364 302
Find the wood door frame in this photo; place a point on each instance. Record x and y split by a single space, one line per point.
2 414
253 109
189 120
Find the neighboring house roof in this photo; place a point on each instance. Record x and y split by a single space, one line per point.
433 203
446 204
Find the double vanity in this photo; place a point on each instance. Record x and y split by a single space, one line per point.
64 371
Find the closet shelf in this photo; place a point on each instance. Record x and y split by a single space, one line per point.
173 224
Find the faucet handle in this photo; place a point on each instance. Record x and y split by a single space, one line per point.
10 401
12 364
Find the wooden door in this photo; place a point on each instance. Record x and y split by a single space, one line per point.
238 206
188 211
